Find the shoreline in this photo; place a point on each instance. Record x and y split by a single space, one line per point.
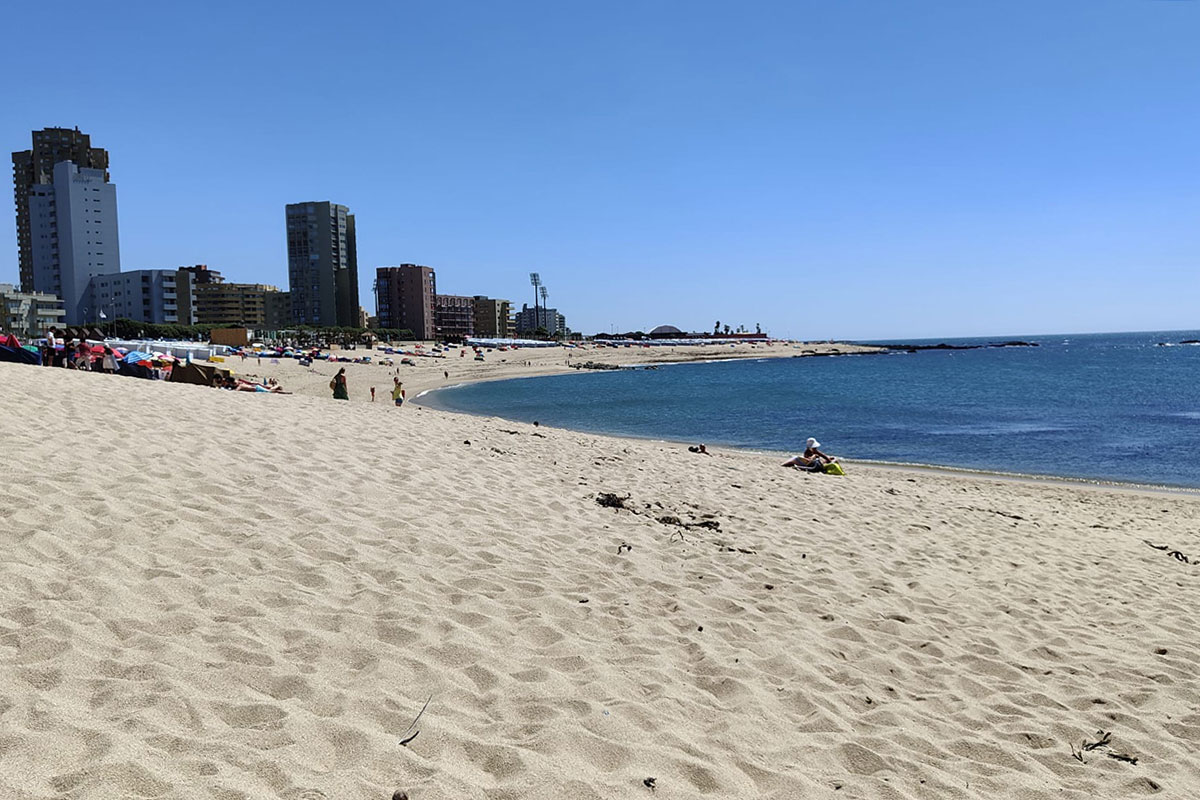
1083 482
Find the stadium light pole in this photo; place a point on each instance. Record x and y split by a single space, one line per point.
536 280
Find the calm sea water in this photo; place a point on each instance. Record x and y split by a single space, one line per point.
1100 406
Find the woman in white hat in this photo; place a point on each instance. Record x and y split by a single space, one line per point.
812 459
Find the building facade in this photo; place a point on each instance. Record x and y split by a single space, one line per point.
238 305
322 264
528 320
405 299
201 274
277 311
454 316
73 235
144 295
28 314
35 167
492 317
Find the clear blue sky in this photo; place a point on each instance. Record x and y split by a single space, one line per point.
827 168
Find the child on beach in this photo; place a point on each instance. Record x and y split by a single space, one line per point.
398 392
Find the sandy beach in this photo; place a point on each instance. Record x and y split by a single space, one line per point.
229 595
459 365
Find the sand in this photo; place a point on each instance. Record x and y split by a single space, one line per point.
460 366
222 595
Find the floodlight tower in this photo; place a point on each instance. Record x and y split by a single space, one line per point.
536 280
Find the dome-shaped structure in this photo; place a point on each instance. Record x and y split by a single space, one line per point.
665 330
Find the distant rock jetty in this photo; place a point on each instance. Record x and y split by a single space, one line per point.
596 365
915 348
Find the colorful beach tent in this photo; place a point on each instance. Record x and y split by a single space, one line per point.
135 364
12 351
199 374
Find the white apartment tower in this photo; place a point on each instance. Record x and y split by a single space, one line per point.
73 236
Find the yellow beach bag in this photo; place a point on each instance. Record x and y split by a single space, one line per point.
834 468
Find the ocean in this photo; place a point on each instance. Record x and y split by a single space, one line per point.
1110 407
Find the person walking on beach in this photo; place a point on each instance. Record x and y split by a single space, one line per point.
338 384
398 392
372 394
109 363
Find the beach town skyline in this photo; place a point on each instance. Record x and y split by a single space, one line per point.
307 563
854 173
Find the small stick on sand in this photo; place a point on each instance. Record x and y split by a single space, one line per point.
405 741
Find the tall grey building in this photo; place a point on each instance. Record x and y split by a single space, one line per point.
73 236
322 264
36 166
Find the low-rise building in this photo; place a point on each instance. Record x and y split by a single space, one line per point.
492 317
145 295
528 320
241 305
29 314
454 316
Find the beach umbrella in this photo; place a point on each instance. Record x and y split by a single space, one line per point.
137 357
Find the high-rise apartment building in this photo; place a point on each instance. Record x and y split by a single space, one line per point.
453 316
492 317
405 298
36 166
72 236
322 264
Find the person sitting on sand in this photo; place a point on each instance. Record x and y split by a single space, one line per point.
338 384
812 459
398 392
699 449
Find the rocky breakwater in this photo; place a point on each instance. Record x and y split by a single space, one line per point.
596 365
916 348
